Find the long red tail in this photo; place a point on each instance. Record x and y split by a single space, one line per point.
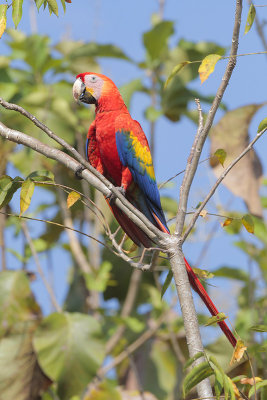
198 287
139 237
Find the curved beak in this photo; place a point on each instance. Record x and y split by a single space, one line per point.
81 93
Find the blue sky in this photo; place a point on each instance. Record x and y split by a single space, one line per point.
122 23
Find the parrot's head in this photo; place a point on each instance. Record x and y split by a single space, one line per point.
98 89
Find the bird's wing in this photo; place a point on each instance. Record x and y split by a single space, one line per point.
134 153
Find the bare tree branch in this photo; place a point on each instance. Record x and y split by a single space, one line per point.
91 177
176 256
133 346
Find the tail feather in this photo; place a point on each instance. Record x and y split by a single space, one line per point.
198 287
129 227
140 238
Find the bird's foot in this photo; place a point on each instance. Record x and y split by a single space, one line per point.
112 196
79 171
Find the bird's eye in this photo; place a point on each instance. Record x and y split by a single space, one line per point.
93 78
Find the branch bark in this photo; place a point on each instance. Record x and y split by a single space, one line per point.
176 256
91 176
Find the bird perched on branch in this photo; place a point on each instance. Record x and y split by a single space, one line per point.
118 148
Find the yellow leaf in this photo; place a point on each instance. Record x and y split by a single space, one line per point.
248 223
216 318
207 66
175 71
203 273
262 125
72 198
220 154
228 221
250 18
27 189
3 8
239 350
250 381
236 391
203 213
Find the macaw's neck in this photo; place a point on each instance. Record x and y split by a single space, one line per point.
111 101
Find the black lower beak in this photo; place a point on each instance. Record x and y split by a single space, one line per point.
87 97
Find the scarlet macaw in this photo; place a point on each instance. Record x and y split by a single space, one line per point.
118 148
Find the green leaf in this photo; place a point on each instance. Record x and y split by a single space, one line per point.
250 18
218 383
262 125
191 360
16 301
207 66
259 328
40 245
152 114
258 386
196 375
221 155
232 273
216 318
39 3
17 11
175 71
3 10
53 7
42 175
98 50
167 283
203 273
8 187
248 223
127 91
63 5
223 378
135 324
69 350
155 40
99 280
27 189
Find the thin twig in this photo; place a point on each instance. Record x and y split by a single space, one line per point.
74 243
19 137
39 267
133 346
190 171
219 180
136 373
176 256
178 173
91 177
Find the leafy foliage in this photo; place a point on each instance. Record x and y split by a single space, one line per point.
59 355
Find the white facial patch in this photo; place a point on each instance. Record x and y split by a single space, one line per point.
94 84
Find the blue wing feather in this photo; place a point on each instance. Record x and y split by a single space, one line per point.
138 159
